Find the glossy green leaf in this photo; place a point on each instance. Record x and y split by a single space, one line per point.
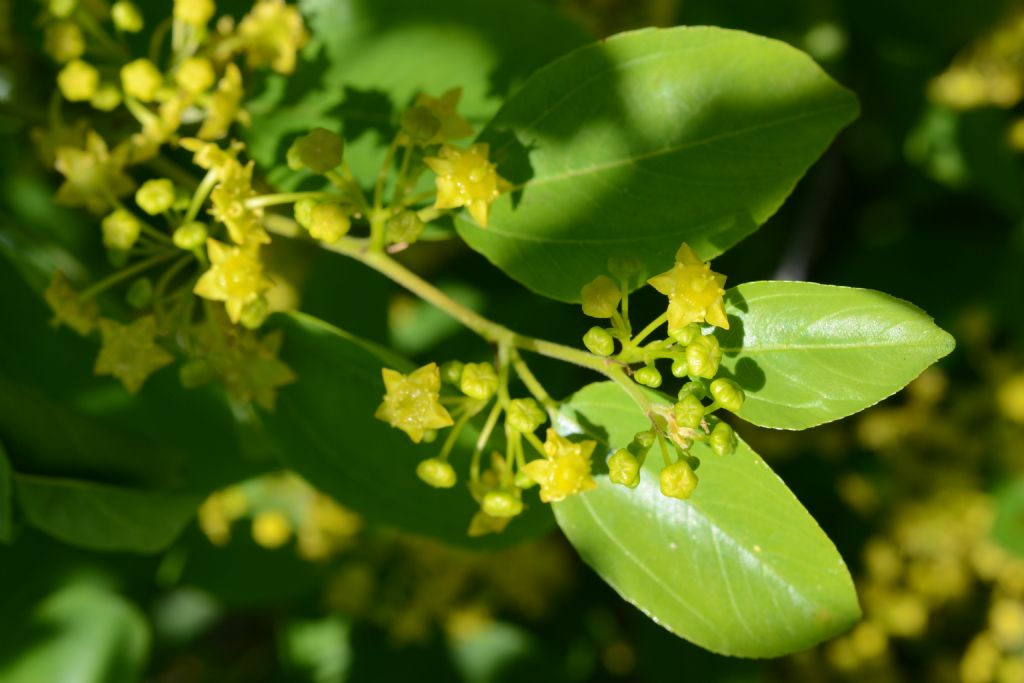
6 498
740 568
82 633
631 146
102 517
807 353
324 429
368 59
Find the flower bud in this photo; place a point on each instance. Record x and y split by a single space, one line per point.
78 81
689 411
271 529
695 388
406 228
524 415
106 98
320 150
155 196
141 79
304 212
599 341
64 41
678 480
255 313
648 376
501 504
140 293
451 372
126 17
600 297
680 368
479 381
685 336
420 124
328 222
62 8
437 473
190 236
727 394
194 12
703 356
624 468
644 440
120 230
195 75
723 439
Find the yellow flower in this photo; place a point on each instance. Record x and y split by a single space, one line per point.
565 469
92 174
246 364
68 309
141 79
194 12
195 75
225 106
210 157
130 352
273 33
271 529
694 291
78 81
235 277
413 402
245 225
64 41
453 126
120 230
466 178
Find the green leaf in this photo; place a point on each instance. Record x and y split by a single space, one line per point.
1008 527
740 568
652 138
83 633
369 58
101 517
6 498
806 353
325 430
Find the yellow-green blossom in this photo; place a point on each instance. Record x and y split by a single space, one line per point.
225 106
465 177
68 309
244 224
694 291
141 79
126 17
272 33
412 402
452 125
64 41
209 156
92 175
235 277
195 75
246 364
155 196
194 12
120 230
565 468
78 81
130 352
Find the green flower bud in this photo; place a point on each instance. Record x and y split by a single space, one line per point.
320 151
501 504
451 372
599 341
406 228
140 293
255 313
62 8
723 439
126 17
155 196
190 236
328 222
120 230
525 415
644 440
195 373
437 473
727 394
689 411
703 356
648 376
479 381
685 335
624 468
106 98
678 480
695 388
420 124
524 481
601 297
304 212
680 368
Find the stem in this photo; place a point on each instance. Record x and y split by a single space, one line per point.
122 275
481 442
285 198
200 195
644 333
533 386
453 435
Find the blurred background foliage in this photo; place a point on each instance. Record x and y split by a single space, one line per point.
922 197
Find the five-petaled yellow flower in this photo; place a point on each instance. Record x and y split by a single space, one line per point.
244 224
413 402
130 352
565 469
452 125
235 277
93 174
465 177
694 291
